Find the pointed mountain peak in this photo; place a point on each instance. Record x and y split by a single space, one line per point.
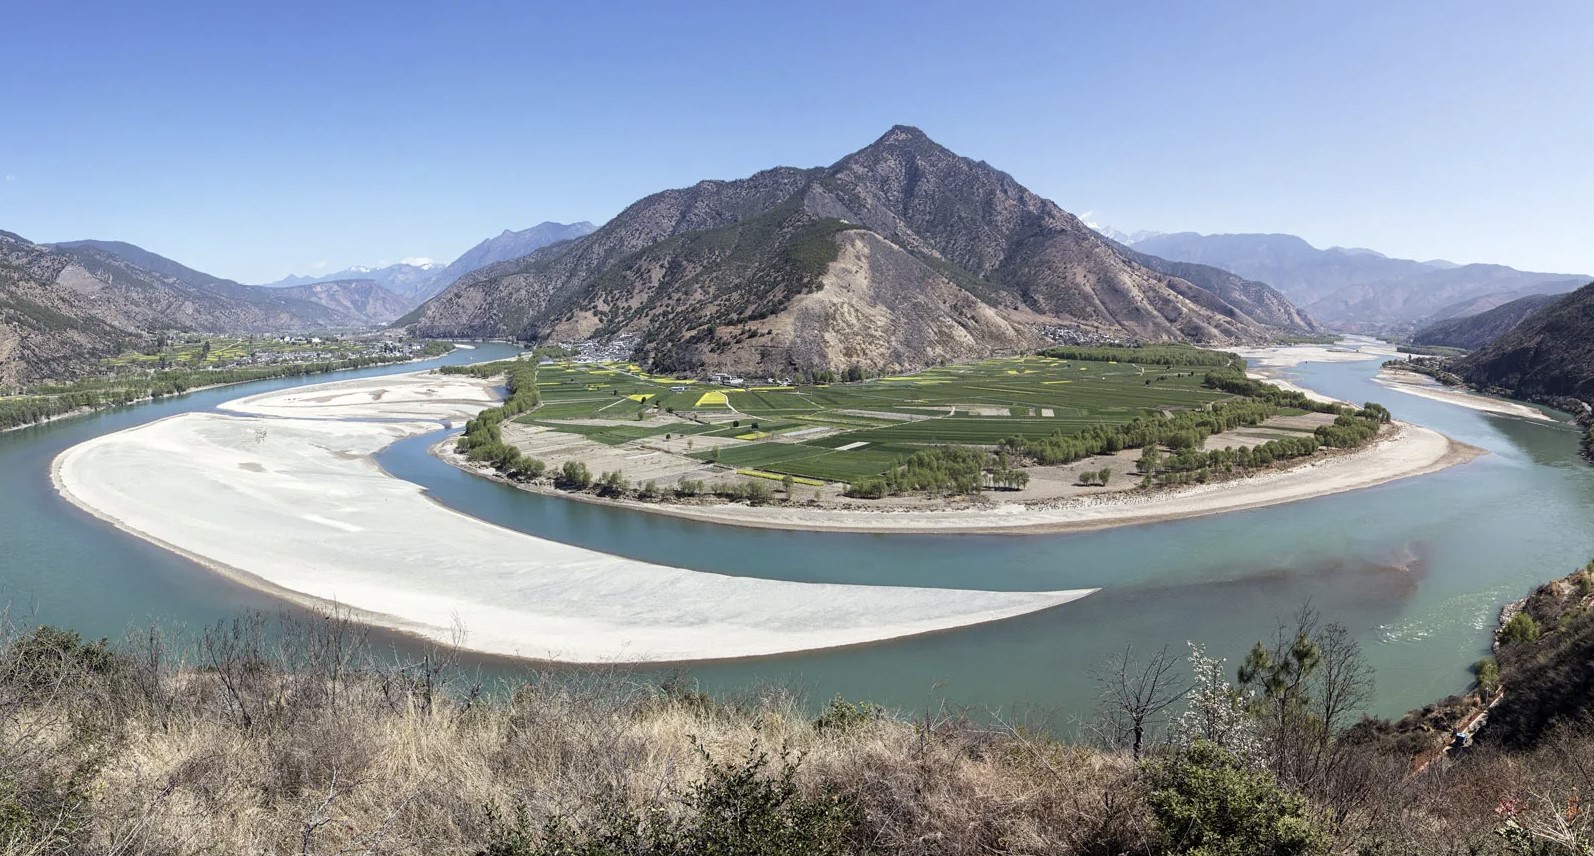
905 135
900 133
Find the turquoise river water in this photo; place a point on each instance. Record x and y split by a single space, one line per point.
1417 569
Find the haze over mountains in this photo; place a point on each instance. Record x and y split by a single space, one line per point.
1360 290
898 255
418 282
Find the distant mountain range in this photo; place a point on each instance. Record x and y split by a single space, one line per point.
417 283
1359 290
1474 331
898 255
1546 355
63 305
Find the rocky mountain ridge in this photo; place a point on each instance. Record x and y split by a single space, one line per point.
63 306
1357 290
898 255
417 283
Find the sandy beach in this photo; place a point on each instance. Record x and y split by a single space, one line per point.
281 493
1423 386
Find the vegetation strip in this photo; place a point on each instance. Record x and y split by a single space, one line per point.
41 403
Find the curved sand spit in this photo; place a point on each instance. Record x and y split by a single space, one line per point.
289 500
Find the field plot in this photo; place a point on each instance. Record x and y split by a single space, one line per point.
843 432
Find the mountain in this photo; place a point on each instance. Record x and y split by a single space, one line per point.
1475 331
146 260
510 245
898 255
64 305
410 281
1258 300
1125 238
359 302
1547 355
1354 289
416 283
222 305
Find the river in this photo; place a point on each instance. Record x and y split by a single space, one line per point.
1417 569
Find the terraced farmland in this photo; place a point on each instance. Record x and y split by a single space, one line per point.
842 432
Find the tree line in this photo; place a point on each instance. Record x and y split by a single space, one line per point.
1159 355
944 471
483 440
49 401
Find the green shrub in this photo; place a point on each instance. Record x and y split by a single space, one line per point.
1207 802
872 488
843 715
44 658
39 820
1521 628
574 475
1487 671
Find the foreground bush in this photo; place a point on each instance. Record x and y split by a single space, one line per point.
1209 802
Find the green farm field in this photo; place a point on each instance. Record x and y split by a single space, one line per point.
224 350
843 432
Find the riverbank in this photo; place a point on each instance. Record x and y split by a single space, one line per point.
1406 451
282 493
1423 386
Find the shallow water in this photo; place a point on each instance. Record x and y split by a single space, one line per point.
1417 569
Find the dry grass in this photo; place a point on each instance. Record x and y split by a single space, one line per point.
294 738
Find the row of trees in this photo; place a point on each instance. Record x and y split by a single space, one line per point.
1182 430
1150 355
483 440
944 471
1190 464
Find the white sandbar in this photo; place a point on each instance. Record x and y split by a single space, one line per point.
1422 386
298 507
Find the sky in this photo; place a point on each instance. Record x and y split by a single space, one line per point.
254 140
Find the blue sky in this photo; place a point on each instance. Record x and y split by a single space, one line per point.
254 140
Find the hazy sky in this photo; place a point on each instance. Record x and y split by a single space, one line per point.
254 140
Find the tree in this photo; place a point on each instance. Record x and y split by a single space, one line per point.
1215 711
1308 685
574 475
1105 476
613 483
1150 459
787 483
1134 696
